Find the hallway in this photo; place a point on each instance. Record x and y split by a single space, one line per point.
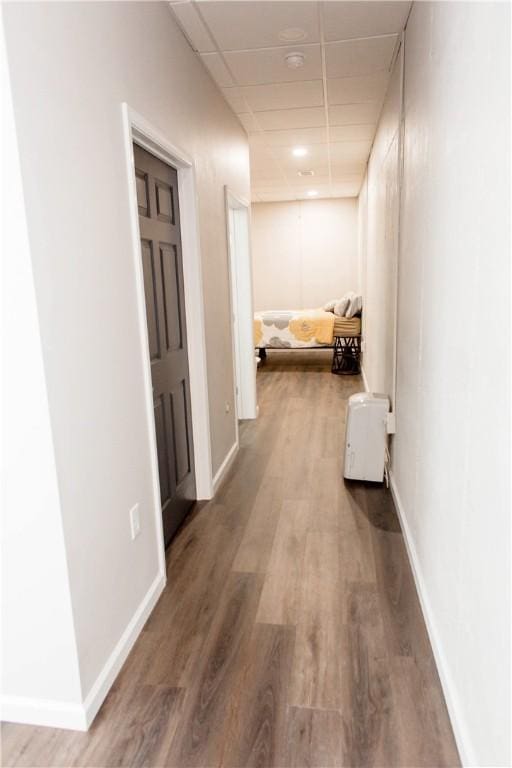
290 632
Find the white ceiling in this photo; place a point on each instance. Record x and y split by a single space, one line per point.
329 106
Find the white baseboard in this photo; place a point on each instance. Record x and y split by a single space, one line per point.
365 380
79 716
45 712
224 467
115 661
462 736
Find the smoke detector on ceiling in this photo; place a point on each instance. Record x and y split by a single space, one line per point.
294 60
292 35
305 173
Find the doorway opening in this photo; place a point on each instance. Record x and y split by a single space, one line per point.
139 131
240 272
162 267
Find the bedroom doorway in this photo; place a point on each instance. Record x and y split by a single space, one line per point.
240 274
162 268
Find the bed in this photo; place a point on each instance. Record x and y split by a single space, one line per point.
310 329
301 329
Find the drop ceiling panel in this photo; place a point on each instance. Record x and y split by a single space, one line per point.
349 178
239 25
353 114
347 168
315 154
345 20
293 137
280 119
359 57
218 69
320 172
348 48
273 193
352 132
275 196
349 151
249 122
277 180
235 100
350 189
193 27
269 66
282 95
354 90
262 154
268 181
313 182
323 190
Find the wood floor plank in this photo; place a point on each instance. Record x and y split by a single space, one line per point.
333 432
257 731
34 746
192 602
314 739
239 489
316 673
327 495
292 454
320 589
370 734
281 590
191 563
149 723
200 738
357 562
38 747
256 545
425 737
398 600
137 666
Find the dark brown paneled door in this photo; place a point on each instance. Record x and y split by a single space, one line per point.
159 221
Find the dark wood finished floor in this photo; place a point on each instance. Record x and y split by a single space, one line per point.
290 633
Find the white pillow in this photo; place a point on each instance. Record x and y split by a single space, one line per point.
329 306
342 305
355 305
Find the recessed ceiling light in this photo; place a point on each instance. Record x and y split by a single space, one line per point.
305 173
292 35
312 193
294 60
299 151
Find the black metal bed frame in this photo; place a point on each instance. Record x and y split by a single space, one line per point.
346 356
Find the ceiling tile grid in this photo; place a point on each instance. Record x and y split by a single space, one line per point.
310 126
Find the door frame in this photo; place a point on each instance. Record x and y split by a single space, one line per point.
241 294
138 130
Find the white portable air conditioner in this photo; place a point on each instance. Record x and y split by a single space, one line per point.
366 436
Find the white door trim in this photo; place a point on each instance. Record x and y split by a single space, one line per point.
234 353
137 129
241 298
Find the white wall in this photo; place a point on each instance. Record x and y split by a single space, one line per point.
83 61
451 457
378 244
38 645
304 252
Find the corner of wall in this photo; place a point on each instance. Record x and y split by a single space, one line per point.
33 549
115 661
